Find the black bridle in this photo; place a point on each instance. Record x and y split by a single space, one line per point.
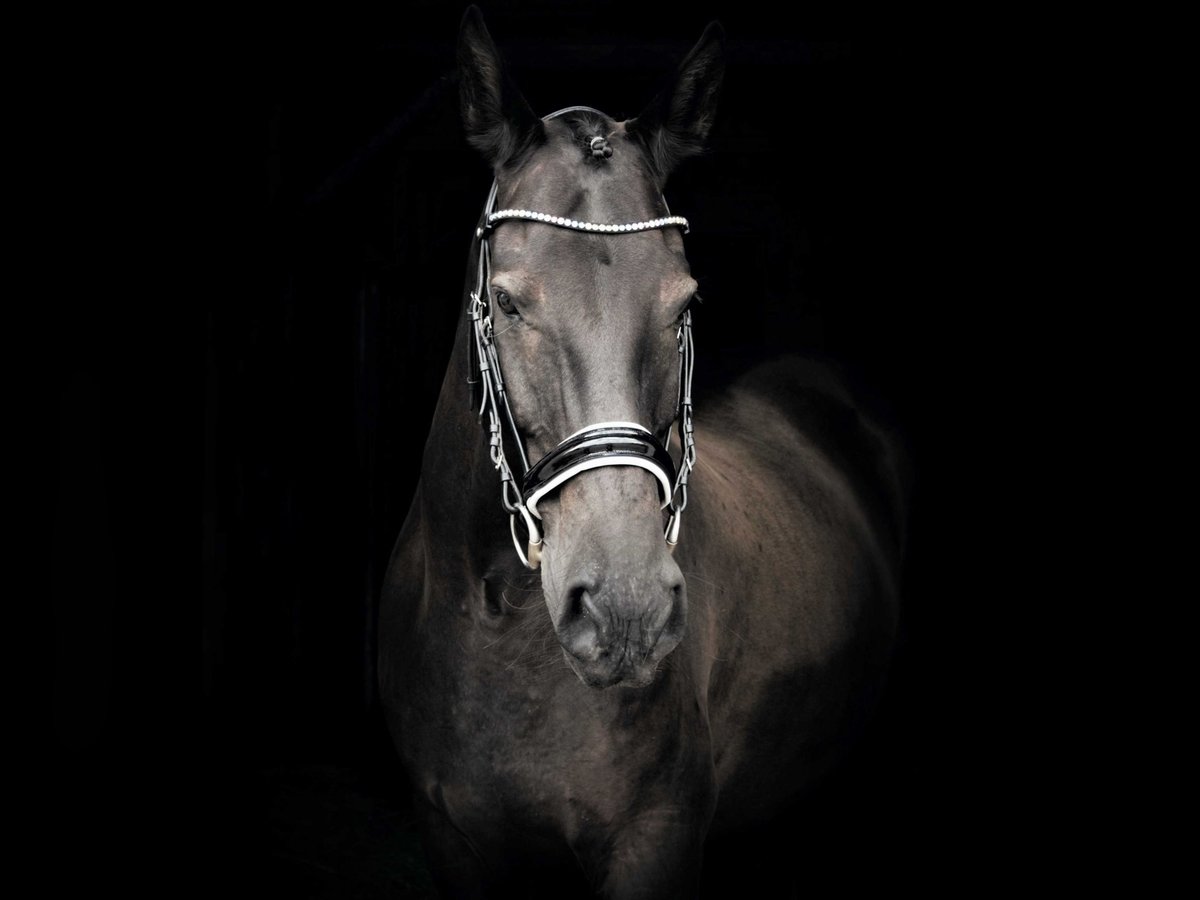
597 445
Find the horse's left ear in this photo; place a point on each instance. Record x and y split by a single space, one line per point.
676 123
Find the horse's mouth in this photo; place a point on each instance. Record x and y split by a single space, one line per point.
605 672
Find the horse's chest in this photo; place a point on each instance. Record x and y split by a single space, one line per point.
495 764
548 757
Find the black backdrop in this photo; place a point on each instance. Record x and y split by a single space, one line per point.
334 210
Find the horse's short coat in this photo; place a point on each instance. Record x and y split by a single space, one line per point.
783 587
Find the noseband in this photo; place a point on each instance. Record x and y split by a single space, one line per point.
597 445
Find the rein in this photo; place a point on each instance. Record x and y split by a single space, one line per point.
594 446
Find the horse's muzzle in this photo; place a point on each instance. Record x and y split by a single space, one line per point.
615 594
610 640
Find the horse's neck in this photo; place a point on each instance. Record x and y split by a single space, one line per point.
455 446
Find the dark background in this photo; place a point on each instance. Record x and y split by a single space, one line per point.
329 200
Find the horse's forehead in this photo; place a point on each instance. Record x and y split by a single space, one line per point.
560 175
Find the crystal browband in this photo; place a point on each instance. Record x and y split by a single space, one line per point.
595 227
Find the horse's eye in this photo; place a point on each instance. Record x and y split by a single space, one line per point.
504 301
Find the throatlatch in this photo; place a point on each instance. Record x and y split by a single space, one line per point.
601 444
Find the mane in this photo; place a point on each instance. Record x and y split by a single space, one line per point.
586 125
582 126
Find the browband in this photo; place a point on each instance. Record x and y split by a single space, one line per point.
530 215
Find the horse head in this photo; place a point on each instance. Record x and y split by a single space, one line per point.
587 325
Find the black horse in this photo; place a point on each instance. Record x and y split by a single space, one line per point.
598 697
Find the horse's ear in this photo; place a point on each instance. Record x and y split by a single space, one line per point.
498 121
676 123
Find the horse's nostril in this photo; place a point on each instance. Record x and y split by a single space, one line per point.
675 618
574 605
582 630
580 604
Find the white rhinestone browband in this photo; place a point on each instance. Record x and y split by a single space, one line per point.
597 227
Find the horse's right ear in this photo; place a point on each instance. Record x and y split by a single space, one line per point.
498 120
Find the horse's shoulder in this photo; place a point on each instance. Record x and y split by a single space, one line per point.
838 418
399 605
404 580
